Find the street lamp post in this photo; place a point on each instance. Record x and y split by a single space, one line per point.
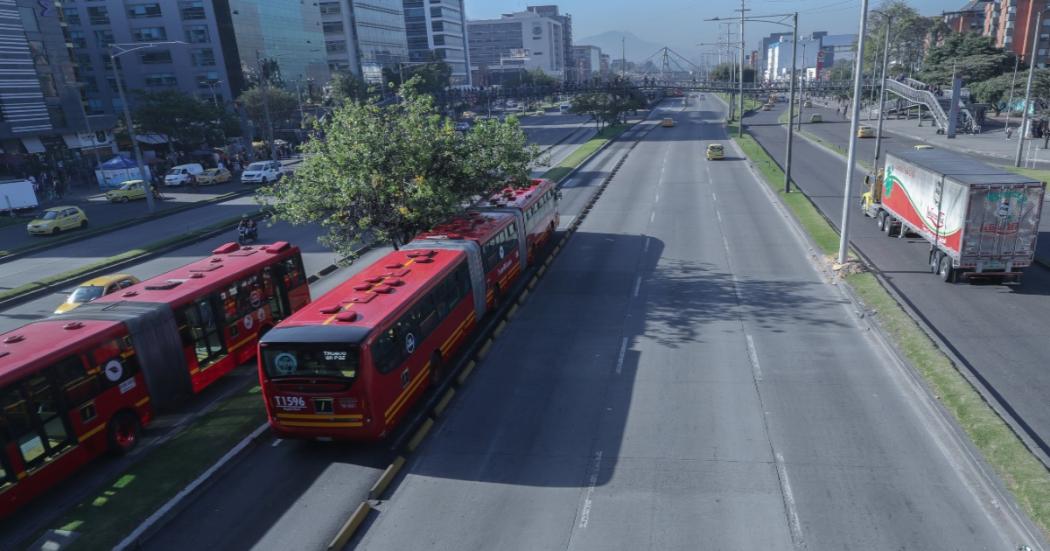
115 51
1010 102
882 91
1028 89
801 86
847 196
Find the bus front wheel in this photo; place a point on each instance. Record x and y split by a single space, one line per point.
124 431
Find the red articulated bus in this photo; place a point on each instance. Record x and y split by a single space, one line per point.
80 383
495 236
536 208
351 365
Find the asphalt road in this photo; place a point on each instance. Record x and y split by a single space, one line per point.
1000 332
543 131
684 378
295 495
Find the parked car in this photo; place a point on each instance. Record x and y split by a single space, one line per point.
463 126
668 122
261 172
715 151
180 175
766 107
865 132
214 176
807 103
95 288
815 117
57 219
923 146
129 190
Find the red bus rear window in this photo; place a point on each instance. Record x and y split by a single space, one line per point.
336 361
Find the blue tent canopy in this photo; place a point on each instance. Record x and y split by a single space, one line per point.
118 162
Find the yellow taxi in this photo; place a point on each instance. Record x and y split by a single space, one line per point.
129 190
715 151
668 122
214 176
865 132
94 288
57 219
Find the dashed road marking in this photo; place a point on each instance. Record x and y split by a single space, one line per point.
637 285
588 501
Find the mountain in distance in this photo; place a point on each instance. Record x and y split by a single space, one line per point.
609 42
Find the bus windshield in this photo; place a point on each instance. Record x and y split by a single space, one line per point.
314 360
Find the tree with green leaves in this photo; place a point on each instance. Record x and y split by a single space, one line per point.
283 105
346 86
996 91
185 119
431 78
728 72
907 36
609 106
387 172
970 56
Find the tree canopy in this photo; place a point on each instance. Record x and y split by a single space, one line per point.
968 55
731 72
432 78
346 86
996 91
187 120
284 106
387 172
907 35
607 107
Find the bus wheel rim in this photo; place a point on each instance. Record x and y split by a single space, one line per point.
125 433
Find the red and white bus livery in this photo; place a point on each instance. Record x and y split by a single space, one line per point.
351 364
536 208
495 237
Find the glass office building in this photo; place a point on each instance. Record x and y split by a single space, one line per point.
364 37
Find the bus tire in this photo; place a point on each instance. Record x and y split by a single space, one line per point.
124 429
437 368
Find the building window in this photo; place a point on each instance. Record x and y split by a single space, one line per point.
141 11
104 38
161 79
149 34
335 46
197 34
192 10
205 80
332 27
98 15
95 106
77 38
203 58
155 57
330 8
71 15
84 61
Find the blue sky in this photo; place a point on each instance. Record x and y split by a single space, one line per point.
680 23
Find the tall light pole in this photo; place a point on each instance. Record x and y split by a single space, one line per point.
1028 88
882 90
1010 102
801 86
847 197
215 101
115 51
743 46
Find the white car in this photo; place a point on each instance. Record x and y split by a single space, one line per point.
262 172
181 174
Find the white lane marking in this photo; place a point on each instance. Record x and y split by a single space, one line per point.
718 214
585 514
652 216
657 198
752 355
645 248
789 500
637 285
276 442
619 359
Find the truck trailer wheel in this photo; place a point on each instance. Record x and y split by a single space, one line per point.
947 272
935 261
887 226
880 221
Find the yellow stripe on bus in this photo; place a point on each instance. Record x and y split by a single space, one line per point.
403 398
142 402
349 424
91 432
318 416
243 342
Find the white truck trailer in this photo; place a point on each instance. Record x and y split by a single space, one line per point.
17 195
981 221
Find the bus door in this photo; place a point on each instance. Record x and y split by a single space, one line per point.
204 332
35 422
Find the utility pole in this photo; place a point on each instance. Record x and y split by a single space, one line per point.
847 197
623 57
882 91
801 86
791 104
740 127
1028 88
1010 102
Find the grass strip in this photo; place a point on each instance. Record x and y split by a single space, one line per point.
1033 173
1023 474
558 172
105 519
115 259
93 231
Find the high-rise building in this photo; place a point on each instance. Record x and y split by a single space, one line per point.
364 37
513 43
604 71
968 19
1012 25
779 55
223 39
552 12
585 63
40 98
436 30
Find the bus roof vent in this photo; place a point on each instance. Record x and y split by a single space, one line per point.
394 266
395 282
130 294
207 268
164 286
384 289
347 316
421 252
3 353
425 260
362 299
376 279
227 248
196 275
331 309
277 247
11 339
363 287
397 273
73 325
215 260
